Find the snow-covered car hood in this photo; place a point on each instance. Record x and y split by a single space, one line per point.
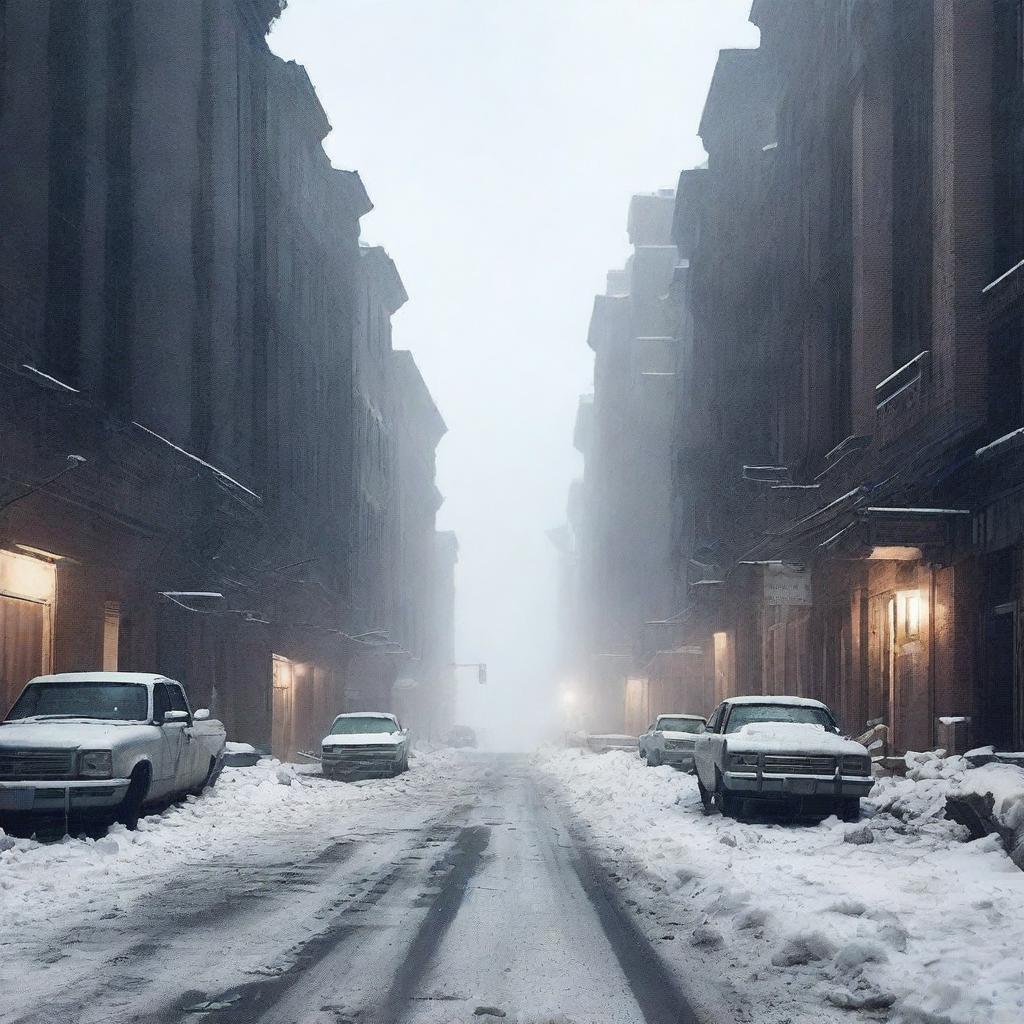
71 733
791 738
363 739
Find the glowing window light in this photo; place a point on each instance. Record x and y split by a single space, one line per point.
30 578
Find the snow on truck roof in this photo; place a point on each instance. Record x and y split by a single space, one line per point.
803 702
146 678
676 714
368 714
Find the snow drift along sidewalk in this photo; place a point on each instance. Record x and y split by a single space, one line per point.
895 912
248 808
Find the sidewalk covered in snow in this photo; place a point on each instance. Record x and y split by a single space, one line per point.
898 917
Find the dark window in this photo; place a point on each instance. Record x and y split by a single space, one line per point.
715 719
177 697
161 702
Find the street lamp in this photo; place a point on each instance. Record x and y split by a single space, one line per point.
73 462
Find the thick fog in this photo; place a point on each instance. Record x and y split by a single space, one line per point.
501 141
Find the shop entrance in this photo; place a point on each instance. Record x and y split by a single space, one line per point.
23 629
27 588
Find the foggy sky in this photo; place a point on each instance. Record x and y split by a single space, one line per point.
500 141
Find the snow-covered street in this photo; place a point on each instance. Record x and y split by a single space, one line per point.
284 897
895 918
566 887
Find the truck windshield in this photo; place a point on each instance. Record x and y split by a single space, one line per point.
118 702
680 725
748 714
354 726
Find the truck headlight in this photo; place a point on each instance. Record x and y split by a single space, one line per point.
853 765
95 764
743 760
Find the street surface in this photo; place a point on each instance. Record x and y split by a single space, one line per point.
457 889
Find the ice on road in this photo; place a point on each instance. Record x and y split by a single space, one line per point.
457 892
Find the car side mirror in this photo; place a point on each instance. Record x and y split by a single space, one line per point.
171 717
200 714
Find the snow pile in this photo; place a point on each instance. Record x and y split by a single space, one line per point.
895 914
248 808
239 748
1005 782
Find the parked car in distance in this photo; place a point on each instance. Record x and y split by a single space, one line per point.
367 743
602 743
670 741
104 744
782 749
461 736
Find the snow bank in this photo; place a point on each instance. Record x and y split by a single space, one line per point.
896 912
1005 782
239 748
248 808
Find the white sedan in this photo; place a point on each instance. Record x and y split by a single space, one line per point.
670 740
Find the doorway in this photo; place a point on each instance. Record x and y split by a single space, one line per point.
281 720
23 631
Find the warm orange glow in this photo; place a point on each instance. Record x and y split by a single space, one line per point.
111 635
912 612
284 673
895 553
26 577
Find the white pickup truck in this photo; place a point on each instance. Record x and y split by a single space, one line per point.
782 749
365 743
104 744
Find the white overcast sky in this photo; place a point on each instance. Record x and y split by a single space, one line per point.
500 141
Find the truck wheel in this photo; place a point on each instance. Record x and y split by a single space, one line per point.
705 797
130 811
728 805
848 809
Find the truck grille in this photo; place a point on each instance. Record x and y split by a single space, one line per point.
374 757
25 765
782 764
355 753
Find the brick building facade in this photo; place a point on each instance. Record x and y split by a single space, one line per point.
847 468
180 289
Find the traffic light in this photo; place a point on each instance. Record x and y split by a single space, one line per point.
481 674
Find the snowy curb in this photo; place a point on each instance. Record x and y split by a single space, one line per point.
896 915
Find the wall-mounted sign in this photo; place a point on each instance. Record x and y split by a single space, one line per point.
787 586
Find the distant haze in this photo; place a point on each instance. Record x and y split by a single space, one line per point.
501 141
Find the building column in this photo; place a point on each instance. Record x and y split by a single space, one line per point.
962 160
872 344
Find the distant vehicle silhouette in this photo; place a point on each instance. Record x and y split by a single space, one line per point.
461 736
